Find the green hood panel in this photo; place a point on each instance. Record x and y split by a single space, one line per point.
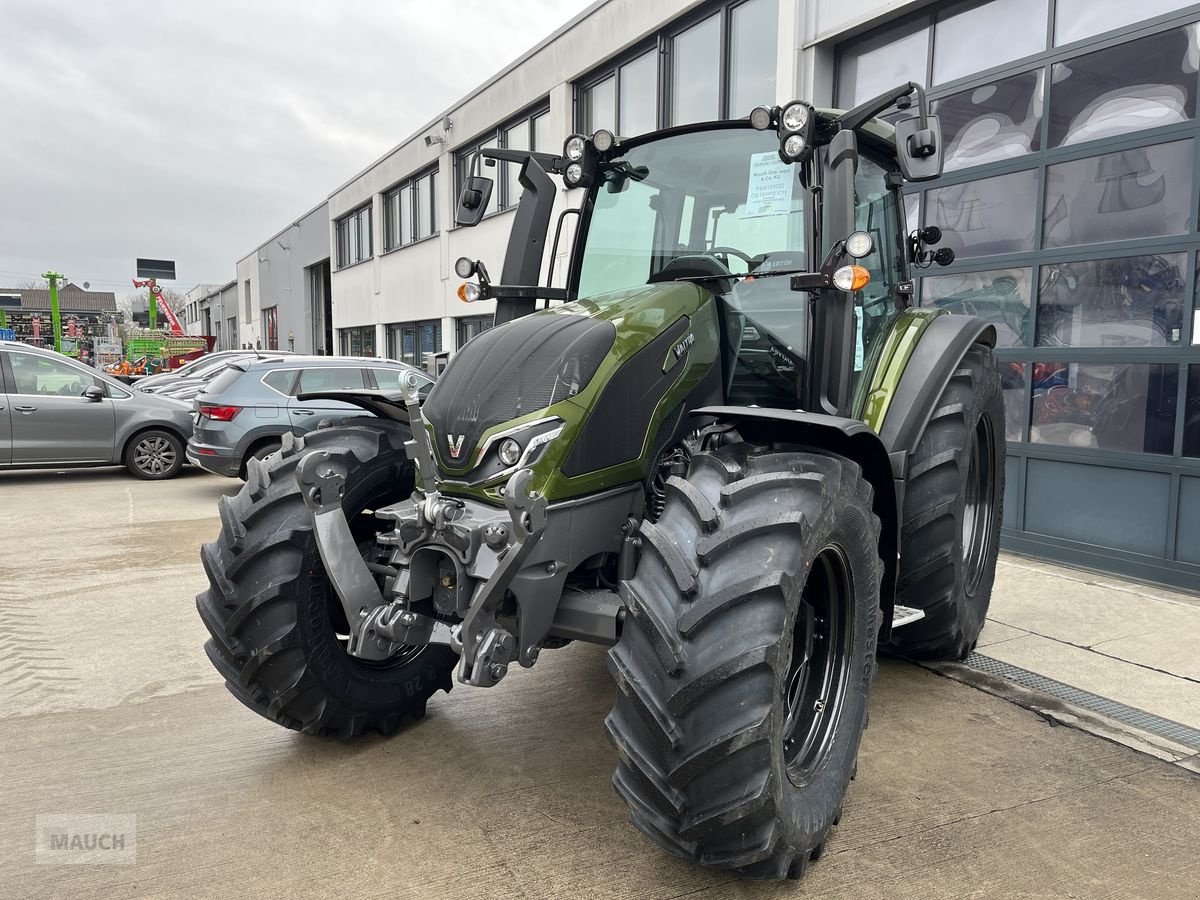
622 406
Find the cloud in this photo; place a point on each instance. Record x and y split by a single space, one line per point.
194 130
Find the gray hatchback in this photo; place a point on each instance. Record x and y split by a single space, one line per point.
246 409
56 412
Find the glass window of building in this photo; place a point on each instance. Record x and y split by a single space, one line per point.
598 104
992 122
881 62
988 216
357 341
695 85
410 211
1191 416
1123 406
426 202
1139 84
523 132
410 341
472 326
638 95
1140 192
516 137
1075 20
752 29
1129 301
354 237
1001 296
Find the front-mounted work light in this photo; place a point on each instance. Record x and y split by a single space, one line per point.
760 118
860 244
795 131
464 267
579 157
603 140
574 148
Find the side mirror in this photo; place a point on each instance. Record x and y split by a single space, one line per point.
473 201
93 393
919 150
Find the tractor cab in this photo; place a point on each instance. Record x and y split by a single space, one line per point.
765 213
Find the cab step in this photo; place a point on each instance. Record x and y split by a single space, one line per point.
906 615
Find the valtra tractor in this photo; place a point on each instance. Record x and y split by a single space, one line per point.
731 449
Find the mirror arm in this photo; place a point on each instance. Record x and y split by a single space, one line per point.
855 118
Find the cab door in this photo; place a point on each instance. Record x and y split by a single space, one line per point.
50 419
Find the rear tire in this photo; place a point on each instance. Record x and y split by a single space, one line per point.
709 658
154 455
953 506
273 617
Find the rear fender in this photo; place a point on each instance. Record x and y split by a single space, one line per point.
846 437
937 355
383 404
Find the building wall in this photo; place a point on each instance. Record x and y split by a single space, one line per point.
279 280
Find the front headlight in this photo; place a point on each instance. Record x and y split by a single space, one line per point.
509 452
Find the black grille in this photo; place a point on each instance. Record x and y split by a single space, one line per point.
510 371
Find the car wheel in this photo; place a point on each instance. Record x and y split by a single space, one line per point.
154 455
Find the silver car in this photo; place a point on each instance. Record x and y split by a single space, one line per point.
56 412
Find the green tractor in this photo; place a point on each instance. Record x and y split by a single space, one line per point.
730 449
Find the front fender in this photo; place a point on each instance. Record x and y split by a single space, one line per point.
383 404
846 437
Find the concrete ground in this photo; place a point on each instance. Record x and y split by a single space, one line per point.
108 705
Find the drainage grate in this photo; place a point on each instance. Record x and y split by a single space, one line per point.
1128 715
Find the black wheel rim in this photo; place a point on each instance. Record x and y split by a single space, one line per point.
154 455
979 506
820 665
364 526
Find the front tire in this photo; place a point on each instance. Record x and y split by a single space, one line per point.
273 616
734 752
953 507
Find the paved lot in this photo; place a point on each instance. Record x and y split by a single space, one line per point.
107 704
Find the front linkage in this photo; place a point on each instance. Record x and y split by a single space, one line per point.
464 555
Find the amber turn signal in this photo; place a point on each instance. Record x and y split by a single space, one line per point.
468 292
851 278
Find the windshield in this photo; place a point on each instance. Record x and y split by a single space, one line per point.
722 195
707 206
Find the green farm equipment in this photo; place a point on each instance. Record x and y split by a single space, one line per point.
729 447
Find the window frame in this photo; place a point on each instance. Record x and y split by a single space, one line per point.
354 219
662 43
464 153
398 328
462 323
393 195
345 339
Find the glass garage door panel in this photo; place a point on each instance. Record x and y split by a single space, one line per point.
1107 406
992 122
981 218
1130 301
1139 84
1000 297
1075 20
989 35
1191 415
877 65
1141 192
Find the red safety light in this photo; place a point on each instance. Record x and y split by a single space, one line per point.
219 413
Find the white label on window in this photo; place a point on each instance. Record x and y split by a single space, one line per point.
769 192
859 353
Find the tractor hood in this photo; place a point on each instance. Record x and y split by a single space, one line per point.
553 363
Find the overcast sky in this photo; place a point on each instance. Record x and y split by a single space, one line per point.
194 129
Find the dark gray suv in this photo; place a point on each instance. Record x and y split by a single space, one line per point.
248 407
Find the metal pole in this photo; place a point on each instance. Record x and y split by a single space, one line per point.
55 315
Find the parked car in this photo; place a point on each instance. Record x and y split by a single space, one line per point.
246 409
210 364
189 388
56 412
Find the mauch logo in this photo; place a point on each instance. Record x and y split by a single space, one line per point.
86 839
684 345
455 442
